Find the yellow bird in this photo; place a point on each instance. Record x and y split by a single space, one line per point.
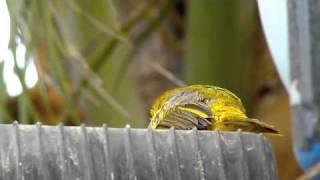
204 107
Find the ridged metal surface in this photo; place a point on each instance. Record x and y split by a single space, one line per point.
39 152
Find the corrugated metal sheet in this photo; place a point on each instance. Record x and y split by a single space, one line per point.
38 152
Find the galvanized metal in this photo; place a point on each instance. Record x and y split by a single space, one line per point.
97 153
304 36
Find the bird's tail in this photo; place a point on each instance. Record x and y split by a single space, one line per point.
253 125
263 127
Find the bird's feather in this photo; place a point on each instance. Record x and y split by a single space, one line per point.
188 116
251 125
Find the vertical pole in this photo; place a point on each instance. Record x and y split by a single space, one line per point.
304 39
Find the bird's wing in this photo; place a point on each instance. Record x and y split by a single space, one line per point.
188 116
159 102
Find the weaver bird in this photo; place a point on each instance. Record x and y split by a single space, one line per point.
204 107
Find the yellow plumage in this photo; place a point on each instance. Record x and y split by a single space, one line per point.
204 107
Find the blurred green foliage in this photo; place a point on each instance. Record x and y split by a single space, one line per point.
85 51
219 44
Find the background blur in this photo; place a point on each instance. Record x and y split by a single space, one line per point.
104 61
